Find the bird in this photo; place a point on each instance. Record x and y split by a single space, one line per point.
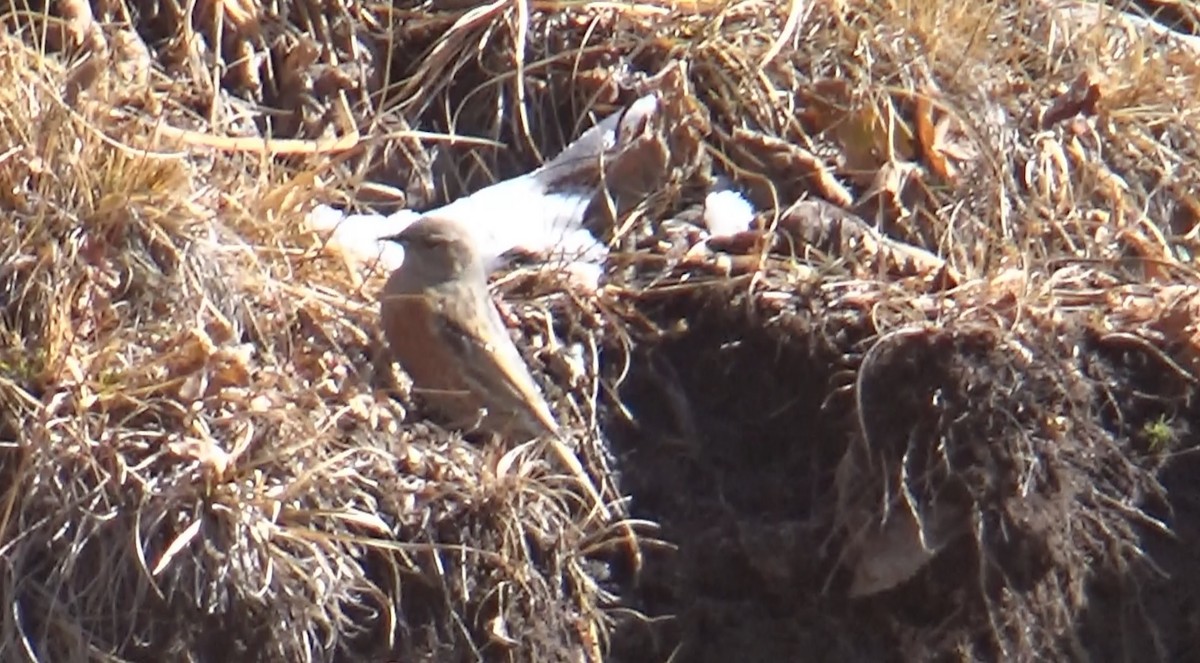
445 331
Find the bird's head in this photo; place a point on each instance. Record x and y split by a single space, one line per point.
437 249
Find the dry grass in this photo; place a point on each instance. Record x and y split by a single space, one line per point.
205 457
199 459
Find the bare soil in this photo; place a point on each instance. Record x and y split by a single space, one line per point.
751 505
938 403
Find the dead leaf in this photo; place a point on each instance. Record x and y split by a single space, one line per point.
794 162
889 555
1081 98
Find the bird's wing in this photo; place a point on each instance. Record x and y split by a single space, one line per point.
491 360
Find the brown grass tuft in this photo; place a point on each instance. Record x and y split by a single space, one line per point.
956 355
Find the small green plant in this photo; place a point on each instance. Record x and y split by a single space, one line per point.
1159 434
21 367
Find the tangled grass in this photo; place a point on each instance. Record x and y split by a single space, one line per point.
937 401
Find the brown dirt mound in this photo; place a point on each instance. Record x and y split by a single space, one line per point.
938 404
779 440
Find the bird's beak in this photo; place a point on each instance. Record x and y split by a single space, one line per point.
397 239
